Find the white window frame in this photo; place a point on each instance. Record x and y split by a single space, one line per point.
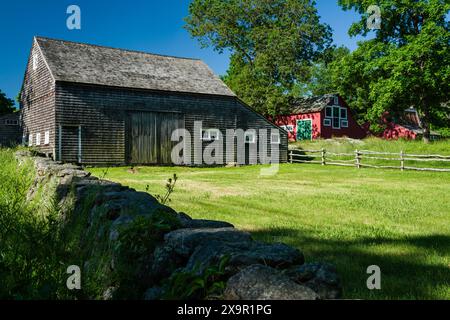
278 140
331 112
47 138
288 128
338 117
346 114
250 134
344 123
327 122
206 134
336 101
30 140
38 139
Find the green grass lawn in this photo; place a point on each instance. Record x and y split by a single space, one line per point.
353 218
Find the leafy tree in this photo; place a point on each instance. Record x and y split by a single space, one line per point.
6 104
272 44
406 64
322 81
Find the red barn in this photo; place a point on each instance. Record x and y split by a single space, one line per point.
324 116
408 126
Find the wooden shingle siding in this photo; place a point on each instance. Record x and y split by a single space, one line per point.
38 102
103 112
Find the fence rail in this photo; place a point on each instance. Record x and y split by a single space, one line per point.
359 159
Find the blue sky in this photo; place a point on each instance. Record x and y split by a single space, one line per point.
152 26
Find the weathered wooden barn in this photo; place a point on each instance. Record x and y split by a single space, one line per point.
10 130
99 105
316 117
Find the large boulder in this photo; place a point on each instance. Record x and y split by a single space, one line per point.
258 282
321 277
242 254
185 241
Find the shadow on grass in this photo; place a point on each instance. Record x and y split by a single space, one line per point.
411 267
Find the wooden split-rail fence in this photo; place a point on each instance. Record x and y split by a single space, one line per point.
370 159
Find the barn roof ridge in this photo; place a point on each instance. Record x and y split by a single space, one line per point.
77 62
116 48
311 104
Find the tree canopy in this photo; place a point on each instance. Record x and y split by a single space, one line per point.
6 104
407 64
273 44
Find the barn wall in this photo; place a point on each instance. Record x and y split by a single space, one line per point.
354 130
10 134
102 112
37 102
292 120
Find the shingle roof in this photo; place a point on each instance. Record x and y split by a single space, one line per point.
311 104
92 64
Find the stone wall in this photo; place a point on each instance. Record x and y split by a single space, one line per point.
129 246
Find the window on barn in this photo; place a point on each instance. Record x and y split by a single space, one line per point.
327 122
275 138
250 137
344 113
30 140
344 123
336 101
288 128
9 122
210 134
47 137
328 112
336 118
38 139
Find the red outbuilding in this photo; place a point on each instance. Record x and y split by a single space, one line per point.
324 116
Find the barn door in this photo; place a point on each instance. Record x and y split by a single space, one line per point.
70 144
304 129
150 136
168 123
143 138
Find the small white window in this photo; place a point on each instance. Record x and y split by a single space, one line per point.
250 137
210 134
35 61
328 112
344 123
38 139
288 128
275 138
336 101
327 122
47 137
30 140
344 113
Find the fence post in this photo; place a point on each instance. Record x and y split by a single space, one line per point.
323 156
402 161
357 159
290 156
